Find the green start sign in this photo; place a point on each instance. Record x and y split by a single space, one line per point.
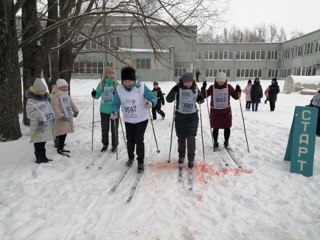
301 143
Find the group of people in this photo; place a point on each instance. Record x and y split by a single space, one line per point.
254 94
136 100
49 117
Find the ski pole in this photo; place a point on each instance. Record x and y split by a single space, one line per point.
204 159
124 139
92 124
154 134
244 126
171 131
209 120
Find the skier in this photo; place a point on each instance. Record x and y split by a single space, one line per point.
106 89
159 95
64 110
186 118
41 117
136 100
256 94
315 102
247 90
273 91
220 109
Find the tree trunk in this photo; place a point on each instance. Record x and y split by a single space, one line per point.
31 53
10 80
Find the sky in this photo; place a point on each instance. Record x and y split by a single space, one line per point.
291 15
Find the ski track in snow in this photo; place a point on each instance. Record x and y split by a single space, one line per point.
64 200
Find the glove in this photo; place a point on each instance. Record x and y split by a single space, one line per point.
238 89
65 119
149 105
94 93
114 116
204 84
41 123
75 114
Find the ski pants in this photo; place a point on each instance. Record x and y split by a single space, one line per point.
105 126
190 142
135 137
226 133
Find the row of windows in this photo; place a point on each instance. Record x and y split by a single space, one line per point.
88 67
305 49
109 42
239 55
212 72
252 72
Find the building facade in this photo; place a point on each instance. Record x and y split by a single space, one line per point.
177 55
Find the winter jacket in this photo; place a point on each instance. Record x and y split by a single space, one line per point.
159 95
185 124
273 91
247 91
42 133
61 126
220 118
106 103
147 95
256 92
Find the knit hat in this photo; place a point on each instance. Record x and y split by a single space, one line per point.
155 83
39 85
61 82
249 81
221 77
128 73
107 70
187 77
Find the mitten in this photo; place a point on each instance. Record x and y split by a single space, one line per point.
94 93
149 105
238 89
65 119
75 114
114 115
204 84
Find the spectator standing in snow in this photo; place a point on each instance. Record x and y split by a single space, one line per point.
315 102
186 118
256 94
246 91
41 117
273 91
197 75
159 95
220 109
136 100
106 89
65 110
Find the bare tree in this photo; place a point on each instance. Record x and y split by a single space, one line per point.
10 83
272 32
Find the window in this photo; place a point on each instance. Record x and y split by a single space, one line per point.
248 73
88 67
82 67
179 71
100 67
199 55
75 67
143 63
273 55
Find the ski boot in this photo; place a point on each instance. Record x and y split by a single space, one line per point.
104 148
215 146
130 162
140 167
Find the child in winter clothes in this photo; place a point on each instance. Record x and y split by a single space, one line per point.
159 95
41 117
247 90
64 110
315 102
220 111
273 91
135 99
186 118
256 94
106 89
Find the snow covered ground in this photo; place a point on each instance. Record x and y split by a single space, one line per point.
64 200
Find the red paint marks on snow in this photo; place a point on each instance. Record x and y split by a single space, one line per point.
204 171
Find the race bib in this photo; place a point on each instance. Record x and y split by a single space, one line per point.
46 111
66 105
187 101
220 98
107 95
